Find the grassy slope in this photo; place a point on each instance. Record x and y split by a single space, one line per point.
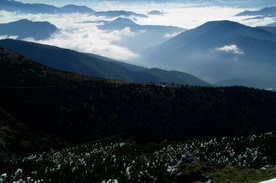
125 160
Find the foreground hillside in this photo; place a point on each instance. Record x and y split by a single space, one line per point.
79 109
116 159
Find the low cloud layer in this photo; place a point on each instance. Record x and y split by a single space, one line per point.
80 32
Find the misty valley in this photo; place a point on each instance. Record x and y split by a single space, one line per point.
128 91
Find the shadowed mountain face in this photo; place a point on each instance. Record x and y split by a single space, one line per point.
79 108
25 29
16 6
268 28
220 50
16 137
96 66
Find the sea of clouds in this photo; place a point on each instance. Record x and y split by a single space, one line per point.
80 32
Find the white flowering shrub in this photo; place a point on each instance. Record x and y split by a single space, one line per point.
129 161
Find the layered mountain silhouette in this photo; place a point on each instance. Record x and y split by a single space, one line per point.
28 29
268 11
121 23
96 66
143 36
220 50
118 13
16 6
71 8
268 28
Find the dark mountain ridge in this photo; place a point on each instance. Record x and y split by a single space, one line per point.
25 29
96 66
79 108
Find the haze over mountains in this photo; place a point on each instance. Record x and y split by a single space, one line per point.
221 50
144 36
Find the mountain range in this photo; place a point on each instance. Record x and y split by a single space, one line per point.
220 50
42 104
144 36
118 13
68 116
16 6
268 11
96 66
28 29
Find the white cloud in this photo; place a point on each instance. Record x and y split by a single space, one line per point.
126 32
231 49
7 37
79 32
91 40
167 35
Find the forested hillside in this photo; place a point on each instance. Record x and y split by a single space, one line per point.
79 109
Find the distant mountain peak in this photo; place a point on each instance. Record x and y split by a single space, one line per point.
219 49
156 12
71 8
123 20
34 8
223 23
25 28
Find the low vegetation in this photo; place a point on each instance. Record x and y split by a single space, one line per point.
115 159
169 133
